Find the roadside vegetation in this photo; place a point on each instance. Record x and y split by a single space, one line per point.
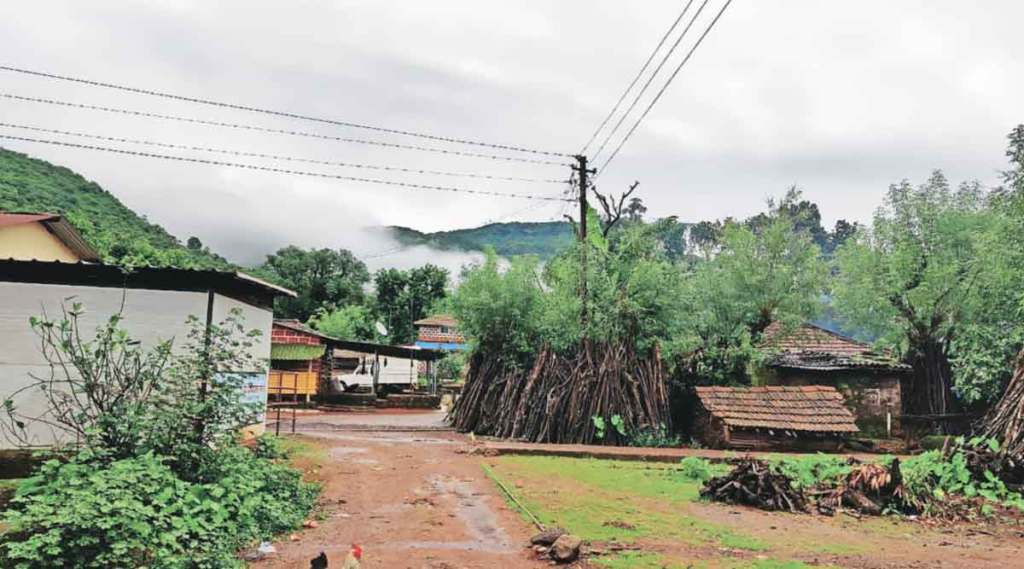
156 475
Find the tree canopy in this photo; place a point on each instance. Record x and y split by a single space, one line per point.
322 278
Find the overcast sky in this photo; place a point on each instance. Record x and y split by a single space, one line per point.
839 98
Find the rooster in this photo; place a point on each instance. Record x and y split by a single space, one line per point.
353 557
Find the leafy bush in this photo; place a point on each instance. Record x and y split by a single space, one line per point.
930 477
270 447
657 437
136 512
696 468
812 470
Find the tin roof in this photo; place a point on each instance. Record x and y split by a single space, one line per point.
809 408
58 226
812 347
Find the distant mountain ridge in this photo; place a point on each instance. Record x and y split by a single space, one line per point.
544 239
116 232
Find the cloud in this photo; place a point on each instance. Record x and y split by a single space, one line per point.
840 99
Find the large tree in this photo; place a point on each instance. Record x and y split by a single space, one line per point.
323 278
402 297
913 279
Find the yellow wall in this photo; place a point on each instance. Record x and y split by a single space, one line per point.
29 241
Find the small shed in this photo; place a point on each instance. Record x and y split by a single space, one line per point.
811 417
297 367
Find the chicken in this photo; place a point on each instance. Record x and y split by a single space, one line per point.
352 560
318 562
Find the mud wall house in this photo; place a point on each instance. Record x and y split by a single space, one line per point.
870 381
774 417
299 361
155 304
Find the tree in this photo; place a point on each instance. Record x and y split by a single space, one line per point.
912 279
402 297
322 278
194 244
775 274
843 231
803 214
352 322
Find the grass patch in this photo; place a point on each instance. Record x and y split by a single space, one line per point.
602 500
632 560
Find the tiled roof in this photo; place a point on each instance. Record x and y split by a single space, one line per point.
293 324
815 348
437 320
809 408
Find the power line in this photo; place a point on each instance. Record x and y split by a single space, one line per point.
665 86
279 157
284 114
281 170
276 130
639 74
650 79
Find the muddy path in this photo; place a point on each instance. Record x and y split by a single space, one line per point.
410 501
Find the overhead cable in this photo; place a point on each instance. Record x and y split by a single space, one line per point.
279 157
410 185
277 130
284 114
650 79
664 87
639 74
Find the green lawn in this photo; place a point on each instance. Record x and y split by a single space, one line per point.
649 506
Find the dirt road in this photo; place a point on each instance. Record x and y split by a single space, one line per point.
411 501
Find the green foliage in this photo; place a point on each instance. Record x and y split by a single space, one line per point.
654 437
812 470
403 297
545 240
599 426
270 447
754 279
322 278
116 232
352 322
697 469
450 367
932 476
136 512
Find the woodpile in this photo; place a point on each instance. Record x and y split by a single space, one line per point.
753 483
555 399
868 489
1005 421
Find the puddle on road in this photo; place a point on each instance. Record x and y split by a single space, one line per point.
472 510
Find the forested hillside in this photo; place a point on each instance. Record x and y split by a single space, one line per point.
116 232
544 239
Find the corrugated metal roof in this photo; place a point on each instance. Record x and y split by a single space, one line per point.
813 408
56 225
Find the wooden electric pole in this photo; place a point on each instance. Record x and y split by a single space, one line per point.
581 177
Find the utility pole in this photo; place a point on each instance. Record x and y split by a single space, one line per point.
581 176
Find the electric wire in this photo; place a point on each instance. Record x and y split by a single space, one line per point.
279 157
664 87
409 185
284 114
647 84
277 130
639 74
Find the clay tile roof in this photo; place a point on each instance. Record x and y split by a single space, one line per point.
437 320
813 347
808 408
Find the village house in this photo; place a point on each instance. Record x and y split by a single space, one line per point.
869 381
299 361
45 264
775 417
439 332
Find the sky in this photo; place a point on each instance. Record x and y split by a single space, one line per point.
839 98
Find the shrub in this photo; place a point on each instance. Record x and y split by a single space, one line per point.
696 468
654 437
812 470
135 512
931 476
270 447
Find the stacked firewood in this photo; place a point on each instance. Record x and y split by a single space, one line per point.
753 483
868 489
557 399
1005 421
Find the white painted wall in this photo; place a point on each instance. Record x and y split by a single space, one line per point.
149 315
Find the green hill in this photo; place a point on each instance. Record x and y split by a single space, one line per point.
544 239
116 232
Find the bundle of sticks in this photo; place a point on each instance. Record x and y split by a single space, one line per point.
1005 421
753 483
868 489
557 399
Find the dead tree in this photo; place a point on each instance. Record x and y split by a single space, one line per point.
613 208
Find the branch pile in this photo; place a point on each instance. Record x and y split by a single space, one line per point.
1005 421
868 489
753 483
554 401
